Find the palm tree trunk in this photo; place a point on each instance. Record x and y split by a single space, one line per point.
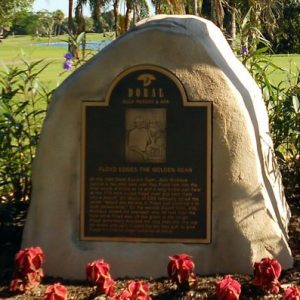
233 24
96 14
70 18
196 8
200 4
128 14
217 13
116 16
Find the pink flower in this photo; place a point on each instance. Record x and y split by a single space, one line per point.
292 293
228 289
180 269
29 260
56 292
266 274
97 270
136 290
98 274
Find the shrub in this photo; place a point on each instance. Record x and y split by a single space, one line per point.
56 292
282 102
136 290
29 270
266 274
228 289
180 270
23 104
98 274
292 293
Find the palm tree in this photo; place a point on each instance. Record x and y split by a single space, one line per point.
172 7
116 4
135 11
70 16
80 22
95 8
58 17
217 13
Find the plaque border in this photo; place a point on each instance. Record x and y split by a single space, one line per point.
186 103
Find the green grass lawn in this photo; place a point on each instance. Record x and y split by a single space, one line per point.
14 49
290 65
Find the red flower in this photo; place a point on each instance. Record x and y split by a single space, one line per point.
29 260
56 292
292 293
180 269
98 274
136 290
97 270
106 286
228 289
266 274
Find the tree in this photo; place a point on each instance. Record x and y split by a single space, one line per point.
89 24
286 38
170 7
80 22
95 8
135 11
8 8
25 23
70 16
108 20
58 17
116 4
46 23
248 18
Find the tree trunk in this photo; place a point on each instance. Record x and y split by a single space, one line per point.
96 15
79 19
116 16
196 8
217 13
199 5
157 8
128 14
70 18
233 25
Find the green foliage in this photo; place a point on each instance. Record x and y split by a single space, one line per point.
287 34
23 105
74 42
9 7
282 98
282 101
108 20
42 23
25 23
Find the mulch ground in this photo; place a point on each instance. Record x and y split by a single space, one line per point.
161 289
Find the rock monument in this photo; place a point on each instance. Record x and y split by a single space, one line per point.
158 145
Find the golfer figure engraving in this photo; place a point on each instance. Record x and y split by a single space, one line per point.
145 135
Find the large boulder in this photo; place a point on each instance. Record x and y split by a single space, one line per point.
249 211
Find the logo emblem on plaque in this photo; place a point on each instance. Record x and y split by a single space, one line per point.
146 78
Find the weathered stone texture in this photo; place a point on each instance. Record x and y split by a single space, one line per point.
250 214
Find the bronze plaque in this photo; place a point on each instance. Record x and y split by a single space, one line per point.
146 162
